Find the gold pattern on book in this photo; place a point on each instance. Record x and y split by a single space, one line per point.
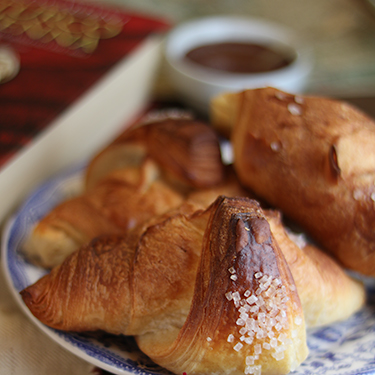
46 23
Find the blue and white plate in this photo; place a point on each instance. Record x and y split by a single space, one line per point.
345 348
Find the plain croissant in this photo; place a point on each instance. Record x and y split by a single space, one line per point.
126 284
119 202
312 158
187 152
326 291
144 173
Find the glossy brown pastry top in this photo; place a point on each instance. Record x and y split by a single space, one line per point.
314 159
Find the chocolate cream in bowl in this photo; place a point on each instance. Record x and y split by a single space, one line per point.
239 57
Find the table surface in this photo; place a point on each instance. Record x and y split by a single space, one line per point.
341 34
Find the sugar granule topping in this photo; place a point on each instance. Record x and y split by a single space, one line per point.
357 194
229 296
295 109
238 347
280 95
262 316
275 146
299 99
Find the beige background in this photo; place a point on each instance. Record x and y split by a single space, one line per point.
341 34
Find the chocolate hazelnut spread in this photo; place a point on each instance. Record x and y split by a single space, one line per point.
239 57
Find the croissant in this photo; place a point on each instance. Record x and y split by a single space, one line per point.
326 291
119 202
143 285
245 314
332 296
125 284
147 171
186 150
314 159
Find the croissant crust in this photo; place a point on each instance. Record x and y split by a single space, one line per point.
228 329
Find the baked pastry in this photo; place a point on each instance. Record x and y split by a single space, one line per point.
240 257
119 202
326 291
314 159
245 314
125 284
187 151
141 271
242 283
147 171
330 297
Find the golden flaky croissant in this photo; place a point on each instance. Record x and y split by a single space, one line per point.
333 296
164 280
245 315
125 284
314 159
187 152
147 171
144 285
326 291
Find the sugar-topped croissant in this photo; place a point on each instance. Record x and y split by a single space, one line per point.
312 158
245 315
333 296
144 285
144 173
145 280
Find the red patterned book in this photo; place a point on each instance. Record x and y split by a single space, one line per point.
64 48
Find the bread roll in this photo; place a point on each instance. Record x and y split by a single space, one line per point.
187 152
314 159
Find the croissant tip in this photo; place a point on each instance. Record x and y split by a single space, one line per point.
27 297
26 294
33 295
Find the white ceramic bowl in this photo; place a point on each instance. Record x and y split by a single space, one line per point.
196 84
